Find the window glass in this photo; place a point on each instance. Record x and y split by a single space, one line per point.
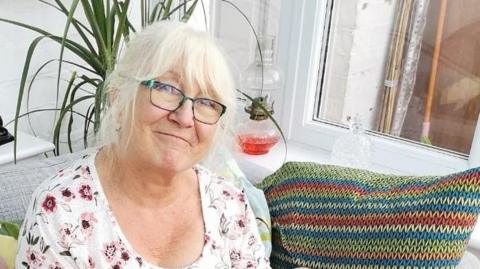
409 69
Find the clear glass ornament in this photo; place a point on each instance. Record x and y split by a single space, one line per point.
262 79
353 149
258 134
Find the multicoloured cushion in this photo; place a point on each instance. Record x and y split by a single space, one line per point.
326 216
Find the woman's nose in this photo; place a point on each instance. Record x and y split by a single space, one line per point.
184 114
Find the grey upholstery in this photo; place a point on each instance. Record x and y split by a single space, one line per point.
17 182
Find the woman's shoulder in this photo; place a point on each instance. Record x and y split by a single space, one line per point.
221 192
79 171
67 191
217 181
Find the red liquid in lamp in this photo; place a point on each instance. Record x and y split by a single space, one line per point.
255 145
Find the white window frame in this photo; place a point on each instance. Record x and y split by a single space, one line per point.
301 26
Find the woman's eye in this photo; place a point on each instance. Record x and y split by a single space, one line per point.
208 103
168 89
204 102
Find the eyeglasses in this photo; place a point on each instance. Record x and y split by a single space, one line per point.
167 97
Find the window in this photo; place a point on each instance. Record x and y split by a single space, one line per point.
342 60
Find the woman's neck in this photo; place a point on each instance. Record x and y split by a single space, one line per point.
145 186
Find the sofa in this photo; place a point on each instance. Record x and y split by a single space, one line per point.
17 182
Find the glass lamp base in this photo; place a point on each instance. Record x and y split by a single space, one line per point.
255 145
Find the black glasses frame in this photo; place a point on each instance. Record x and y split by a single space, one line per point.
152 84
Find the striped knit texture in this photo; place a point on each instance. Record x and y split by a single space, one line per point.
333 217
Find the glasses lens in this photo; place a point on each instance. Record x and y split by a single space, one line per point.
166 96
170 98
207 110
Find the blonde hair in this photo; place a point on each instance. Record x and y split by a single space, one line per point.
159 48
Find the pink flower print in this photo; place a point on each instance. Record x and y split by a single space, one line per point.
241 222
86 192
49 204
252 240
56 265
139 260
85 170
66 231
67 235
91 263
117 265
236 227
250 264
87 221
235 255
215 248
206 239
241 197
109 251
67 194
125 256
35 259
82 171
227 194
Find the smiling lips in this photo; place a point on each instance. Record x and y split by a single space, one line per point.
176 136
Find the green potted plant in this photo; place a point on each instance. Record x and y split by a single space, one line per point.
106 29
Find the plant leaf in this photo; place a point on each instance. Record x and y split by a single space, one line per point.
23 80
74 47
42 110
86 125
189 12
65 253
80 27
62 49
122 19
70 121
64 10
9 229
97 32
166 15
97 108
56 132
171 12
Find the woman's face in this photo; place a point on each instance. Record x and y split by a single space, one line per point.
169 140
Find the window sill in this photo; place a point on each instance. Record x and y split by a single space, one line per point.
27 146
257 167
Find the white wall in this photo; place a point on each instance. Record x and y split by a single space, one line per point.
358 51
233 33
13 50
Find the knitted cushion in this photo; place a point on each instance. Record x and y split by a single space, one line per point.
326 216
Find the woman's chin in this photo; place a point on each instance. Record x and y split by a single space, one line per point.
173 160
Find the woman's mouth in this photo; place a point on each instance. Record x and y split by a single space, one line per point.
174 136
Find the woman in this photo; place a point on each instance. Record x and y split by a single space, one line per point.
142 201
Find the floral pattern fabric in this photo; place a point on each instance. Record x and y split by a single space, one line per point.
69 224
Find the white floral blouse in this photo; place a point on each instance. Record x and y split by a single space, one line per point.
69 224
